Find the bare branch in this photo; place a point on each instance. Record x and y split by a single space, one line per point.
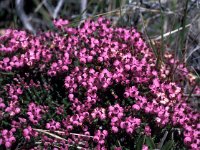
61 132
57 9
162 140
193 95
39 6
171 32
54 10
194 50
22 15
83 8
51 134
55 136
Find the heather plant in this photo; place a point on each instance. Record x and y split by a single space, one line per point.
92 87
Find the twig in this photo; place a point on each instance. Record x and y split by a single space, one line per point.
192 22
57 9
54 10
162 140
71 133
83 8
194 50
119 143
171 32
124 8
151 43
39 6
22 15
192 95
51 134
56 136
82 135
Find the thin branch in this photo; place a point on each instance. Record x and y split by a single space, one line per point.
57 9
61 132
36 10
51 134
54 10
123 9
22 15
82 135
192 95
194 50
56 136
171 32
39 6
143 9
83 8
162 140
49 7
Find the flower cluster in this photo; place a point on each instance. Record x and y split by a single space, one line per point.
7 137
29 132
130 124
100 136
99 113
34 113
2 106
93 85
53 125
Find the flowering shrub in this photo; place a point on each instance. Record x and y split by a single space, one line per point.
95 86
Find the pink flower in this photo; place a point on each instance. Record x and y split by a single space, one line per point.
144 147
194 146
100 136
129 130
147 130
60 23
115 129
53 125
8 144
114 119
187 140
136 107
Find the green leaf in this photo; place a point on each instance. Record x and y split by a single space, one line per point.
7 73
150 143
5 123
27 97
168 146
96 120
140 142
